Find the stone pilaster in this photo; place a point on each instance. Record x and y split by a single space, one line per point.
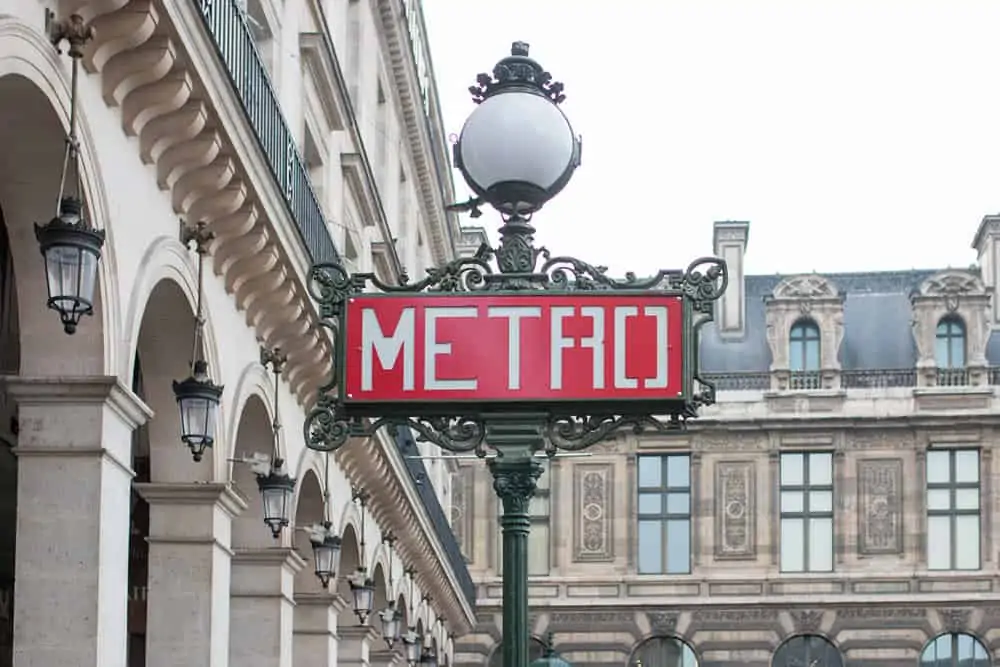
315 633
356 644
383 657
189 571
263 606
73 491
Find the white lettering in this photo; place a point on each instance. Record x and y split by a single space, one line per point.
622 313
513 315
660 313
595 342
433 349
387 349
558 343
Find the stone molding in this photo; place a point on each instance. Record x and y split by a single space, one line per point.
159 68
196 493
75 390
282 556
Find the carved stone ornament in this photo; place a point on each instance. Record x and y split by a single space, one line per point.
662 622
460 511
735 510
880 506
807 296
951 283
954 619
593 488
807 621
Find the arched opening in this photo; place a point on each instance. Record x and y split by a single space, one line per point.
381 597
804 347
254 435
138 548
10 362
956 649
536 649
350 558
404 621
308 512
807 650
663 652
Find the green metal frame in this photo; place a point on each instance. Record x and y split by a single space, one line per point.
521 270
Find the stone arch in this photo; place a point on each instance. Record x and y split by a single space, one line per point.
382 592
33 79
663 650
951 649
536 649
350 558
404 611
253 435
309 509
254 381
166 258
805 648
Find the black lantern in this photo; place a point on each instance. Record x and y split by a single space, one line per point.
413 644
363 592
72 252
517 150
326 552
198 401
276 491
428 657
390 617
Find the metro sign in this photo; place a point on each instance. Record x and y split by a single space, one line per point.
424 354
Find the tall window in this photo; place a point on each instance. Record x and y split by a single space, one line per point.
949 343
664 514
953 509
955 650
803 353
807 651
807 512
539 538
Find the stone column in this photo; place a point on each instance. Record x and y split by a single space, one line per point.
356 644
189 568
386 658
263 606
73 491
316 638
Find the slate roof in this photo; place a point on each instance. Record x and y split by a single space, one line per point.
877 316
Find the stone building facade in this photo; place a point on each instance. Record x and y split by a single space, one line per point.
834 508
297 131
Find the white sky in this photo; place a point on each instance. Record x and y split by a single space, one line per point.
852 135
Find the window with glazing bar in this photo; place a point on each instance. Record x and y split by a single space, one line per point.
953 509
664 515
806 511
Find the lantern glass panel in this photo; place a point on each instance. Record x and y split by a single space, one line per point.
276 501
198 414
326 556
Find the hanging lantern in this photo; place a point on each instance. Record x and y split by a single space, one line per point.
413 644
326 552
198 400
363 591
276 492
429 656
71 251
390 617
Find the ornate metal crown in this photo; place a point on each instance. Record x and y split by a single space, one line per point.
517 70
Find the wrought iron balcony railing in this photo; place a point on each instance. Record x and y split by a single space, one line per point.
238 52
881 378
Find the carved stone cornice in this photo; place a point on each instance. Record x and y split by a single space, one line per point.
378 464
432 191
157 65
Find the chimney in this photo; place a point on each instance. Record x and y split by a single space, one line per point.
729 241
987 245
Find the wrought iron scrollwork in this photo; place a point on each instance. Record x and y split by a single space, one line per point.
573 433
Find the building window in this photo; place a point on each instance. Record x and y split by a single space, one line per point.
806 512
539 537
807 651
953 521
664 514
949 343
955 650
663 652
803 353
536 649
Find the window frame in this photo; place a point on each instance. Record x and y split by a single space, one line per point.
664 517
953 512
806 489
954 659
807 642
805 331
954 330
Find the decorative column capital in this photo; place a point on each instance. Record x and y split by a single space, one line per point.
193 494
87 390
515 481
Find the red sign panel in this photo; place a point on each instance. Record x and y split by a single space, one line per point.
512 348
